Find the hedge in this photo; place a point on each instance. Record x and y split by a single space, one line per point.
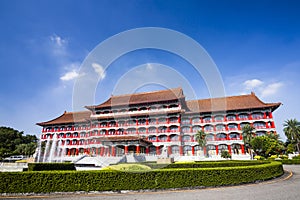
50 166
214 164
71 181
290 161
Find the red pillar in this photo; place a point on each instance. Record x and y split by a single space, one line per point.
204 151
270 115
77 152
193 150
229 148
126 149
113 152
181 150
265 116
157 150
217 149
147 150
138 149
169 150
69 152
243 149
272 125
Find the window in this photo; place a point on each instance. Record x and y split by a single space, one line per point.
186 138
231 117
243 116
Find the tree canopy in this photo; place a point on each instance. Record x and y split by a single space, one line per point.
292 131
13 142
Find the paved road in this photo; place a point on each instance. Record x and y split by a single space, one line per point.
278 189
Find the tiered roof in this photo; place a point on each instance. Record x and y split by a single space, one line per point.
140 98
68 117
232 103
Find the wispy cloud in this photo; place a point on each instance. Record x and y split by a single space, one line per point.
251 84
271 89
58 45
59 41
99 70
69 76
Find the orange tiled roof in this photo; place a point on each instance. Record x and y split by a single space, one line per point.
241 102
139 98
68 117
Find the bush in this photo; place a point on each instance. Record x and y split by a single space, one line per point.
102 180
50 166
283 157
296 157
273 157
214 164
225 154
128 167
290 161
259 157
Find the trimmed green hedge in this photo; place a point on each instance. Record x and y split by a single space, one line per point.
214 164
290 161
50 166
70 181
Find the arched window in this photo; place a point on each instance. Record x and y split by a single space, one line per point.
185 129
196 128
152 138
174 138
175 149
162 138
207 119
220 127
243 116
219 118
186 138
231 117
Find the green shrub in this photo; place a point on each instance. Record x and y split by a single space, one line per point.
283 157
273 157
296 157
259 158
214 164
290 161
128 167
50 166
105 180
225 154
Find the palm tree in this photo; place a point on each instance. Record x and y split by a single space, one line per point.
292 131
248 133
200 137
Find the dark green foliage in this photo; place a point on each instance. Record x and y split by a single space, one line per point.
291 162
69 181
12 142
225 154
214 164
50 166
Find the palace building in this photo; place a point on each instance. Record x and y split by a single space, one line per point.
144 123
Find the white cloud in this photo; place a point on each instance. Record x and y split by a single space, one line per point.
99 70
271 89
251 84
58 41
69 76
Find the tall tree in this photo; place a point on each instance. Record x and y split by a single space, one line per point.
11 140
248 134
200 137
292 131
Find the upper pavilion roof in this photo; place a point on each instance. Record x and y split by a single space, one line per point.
139 98
68 117
241 102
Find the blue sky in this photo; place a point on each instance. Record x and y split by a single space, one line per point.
255 45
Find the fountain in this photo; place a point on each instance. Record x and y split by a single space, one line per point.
53 148
46 151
